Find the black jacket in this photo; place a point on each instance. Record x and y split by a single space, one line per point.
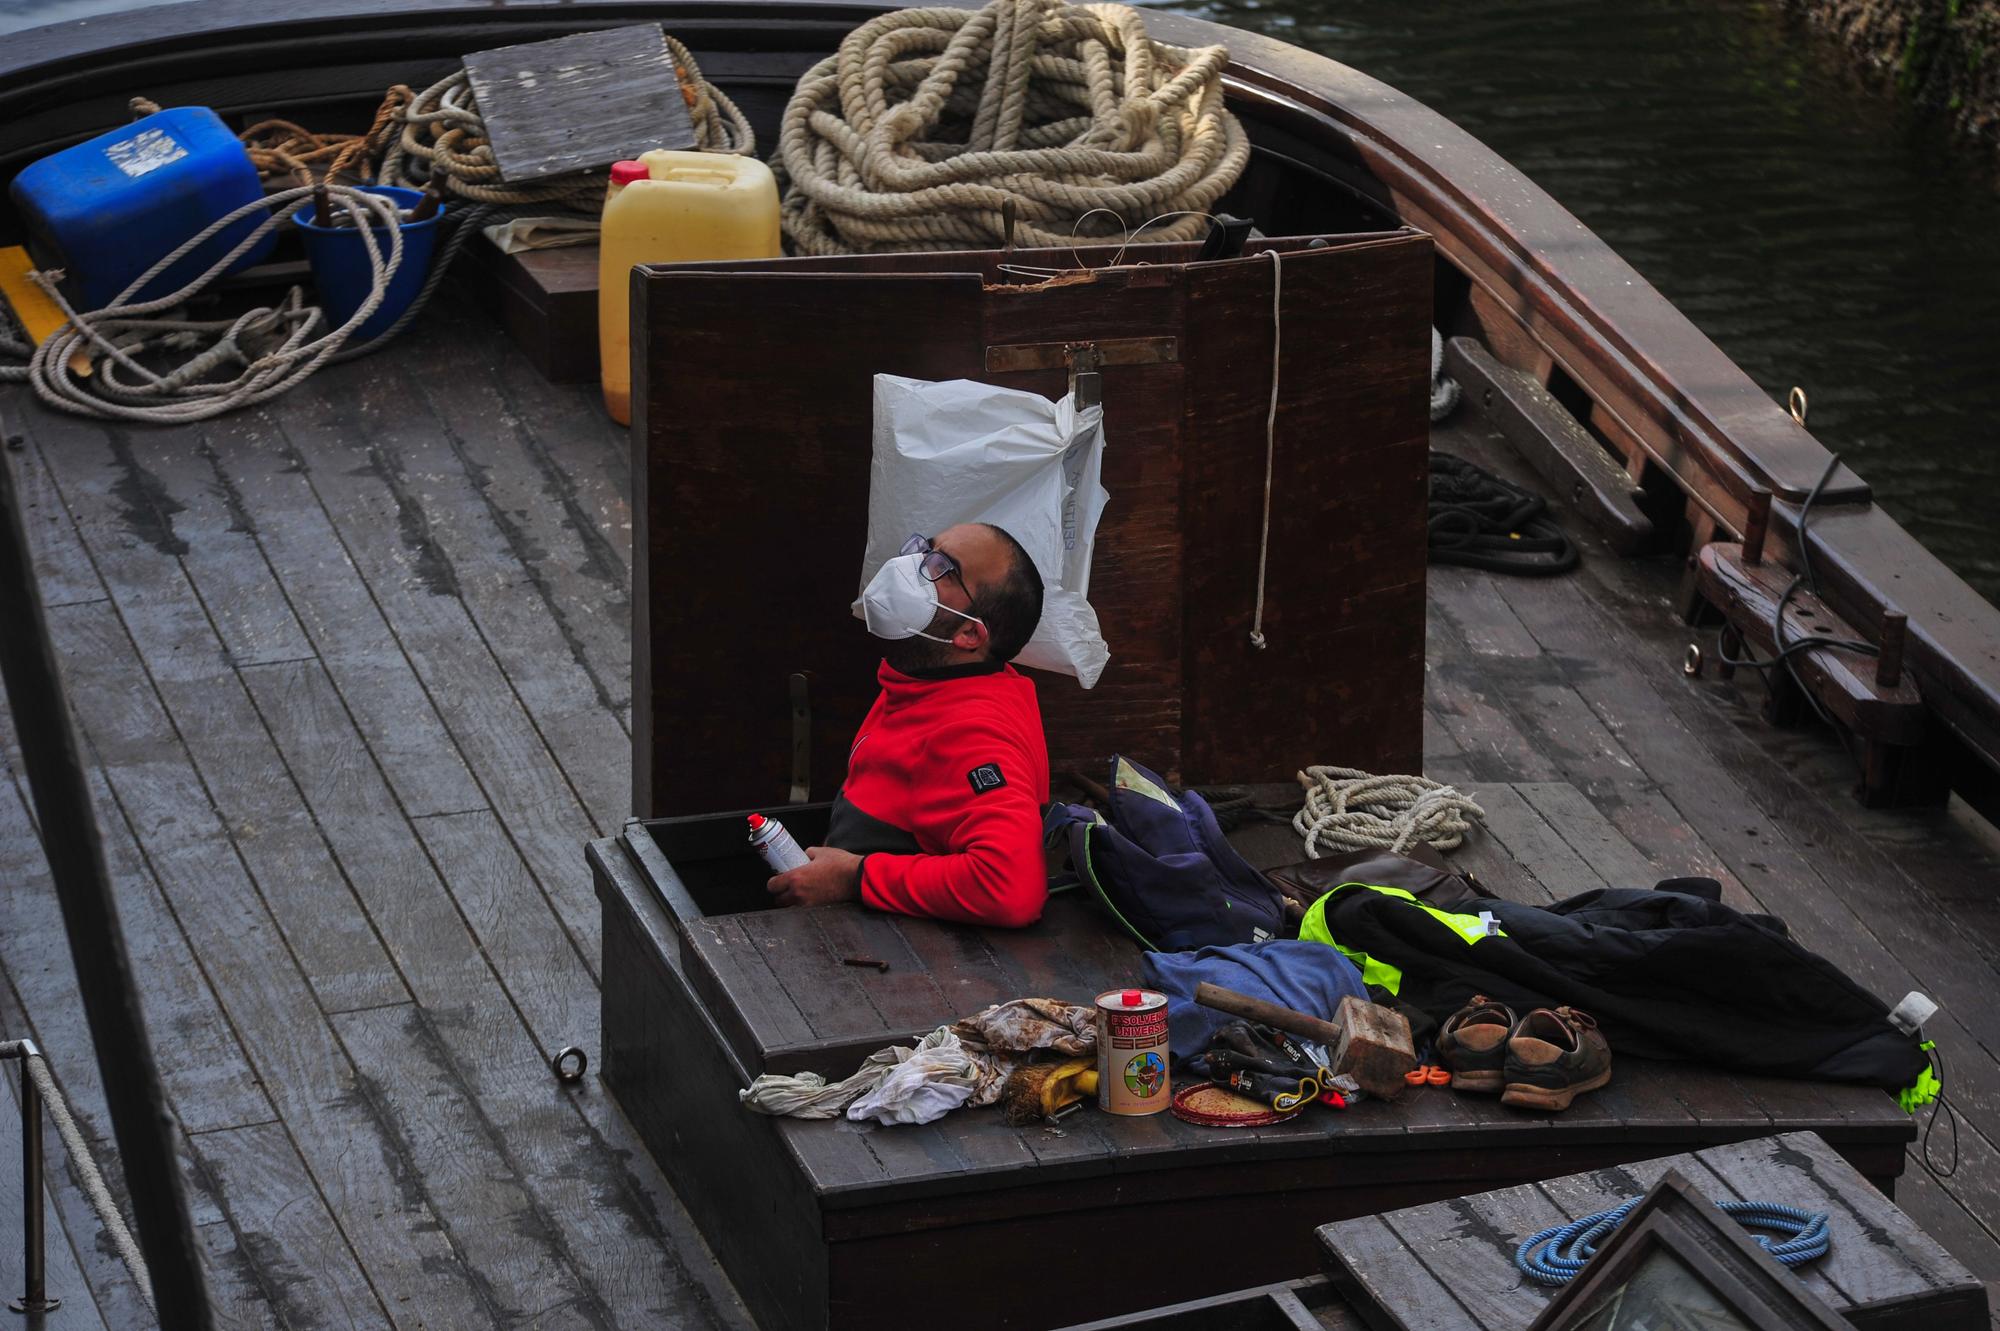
1668 973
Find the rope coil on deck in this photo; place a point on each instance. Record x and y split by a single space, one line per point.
88 1176
1346 809
928 123
271 348
1555 1255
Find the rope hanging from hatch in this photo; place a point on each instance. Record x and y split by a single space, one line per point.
927 123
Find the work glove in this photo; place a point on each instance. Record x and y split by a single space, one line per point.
1266 1065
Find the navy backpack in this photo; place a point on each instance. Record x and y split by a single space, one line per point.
1160 864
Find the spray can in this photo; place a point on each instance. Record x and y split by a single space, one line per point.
779 848
1132 1052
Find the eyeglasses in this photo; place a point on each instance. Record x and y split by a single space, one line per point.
936 565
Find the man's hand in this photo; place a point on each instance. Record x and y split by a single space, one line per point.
834 875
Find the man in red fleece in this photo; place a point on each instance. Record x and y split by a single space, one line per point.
941 813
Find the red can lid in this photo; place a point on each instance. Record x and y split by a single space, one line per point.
1132 998
624 173
756 821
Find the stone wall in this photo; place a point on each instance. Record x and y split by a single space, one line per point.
1944 55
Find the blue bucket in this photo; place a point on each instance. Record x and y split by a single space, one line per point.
339 258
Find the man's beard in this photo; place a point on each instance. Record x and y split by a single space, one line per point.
913 653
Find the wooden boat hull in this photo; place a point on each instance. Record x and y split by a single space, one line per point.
1336 149
1698 442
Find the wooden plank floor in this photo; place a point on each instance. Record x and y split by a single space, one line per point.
353 674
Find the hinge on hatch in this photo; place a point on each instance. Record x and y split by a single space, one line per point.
1086 383
801 690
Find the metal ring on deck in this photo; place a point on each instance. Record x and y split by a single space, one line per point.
1691 665
559 1065
1797 402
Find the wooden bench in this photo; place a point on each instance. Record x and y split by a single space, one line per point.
833 1224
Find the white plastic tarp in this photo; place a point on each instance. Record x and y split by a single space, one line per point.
960 451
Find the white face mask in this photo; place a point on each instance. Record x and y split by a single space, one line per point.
900 602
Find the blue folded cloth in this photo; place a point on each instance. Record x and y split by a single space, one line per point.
1305 976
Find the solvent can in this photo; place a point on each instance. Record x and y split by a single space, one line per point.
1132 1055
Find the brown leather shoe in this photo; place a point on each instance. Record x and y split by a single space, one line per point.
1472 1045
1553 1056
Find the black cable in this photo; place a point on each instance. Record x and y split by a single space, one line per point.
1782 656
1943 1107
1786 650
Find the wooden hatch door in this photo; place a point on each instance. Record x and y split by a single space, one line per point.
751 449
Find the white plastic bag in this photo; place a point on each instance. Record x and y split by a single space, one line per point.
960 451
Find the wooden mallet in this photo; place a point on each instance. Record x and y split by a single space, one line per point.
1366 1041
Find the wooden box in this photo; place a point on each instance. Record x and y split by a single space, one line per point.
751 455
547 302
836 1224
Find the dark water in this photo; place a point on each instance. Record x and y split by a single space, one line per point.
1794 212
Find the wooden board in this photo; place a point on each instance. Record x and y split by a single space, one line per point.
576 102
1450 1266
730 451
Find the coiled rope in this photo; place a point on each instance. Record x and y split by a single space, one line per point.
284 152
444 136
270 348
88 1176
1481 521
1555 1255
927 123
1347 809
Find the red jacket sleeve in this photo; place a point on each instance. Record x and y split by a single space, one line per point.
991 870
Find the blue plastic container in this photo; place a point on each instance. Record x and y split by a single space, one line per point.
339 259
107 210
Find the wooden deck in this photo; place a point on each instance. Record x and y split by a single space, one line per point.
354 672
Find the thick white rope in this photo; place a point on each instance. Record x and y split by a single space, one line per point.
276 347
1347 809
1270 450
927 125
88 1176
